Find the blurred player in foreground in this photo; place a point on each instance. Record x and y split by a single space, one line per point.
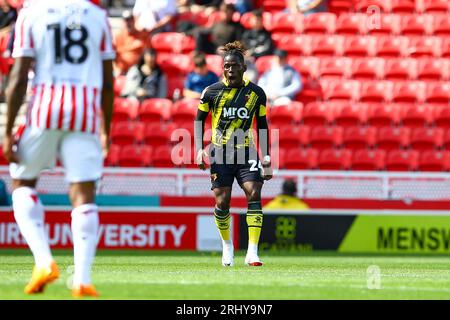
69 45
235 103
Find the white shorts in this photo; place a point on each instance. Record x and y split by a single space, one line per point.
80 154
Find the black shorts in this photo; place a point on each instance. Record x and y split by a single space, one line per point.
240 163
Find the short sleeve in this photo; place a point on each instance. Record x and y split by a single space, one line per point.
106 47
204 101
23 42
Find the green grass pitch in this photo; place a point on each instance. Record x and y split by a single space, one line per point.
194 275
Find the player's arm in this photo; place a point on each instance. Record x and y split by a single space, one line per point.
199 129
15 93
263 139
107 103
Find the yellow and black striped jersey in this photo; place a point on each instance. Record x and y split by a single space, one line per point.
233 109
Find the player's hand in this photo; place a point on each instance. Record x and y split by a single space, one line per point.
105 141
8 149
267 172
199 160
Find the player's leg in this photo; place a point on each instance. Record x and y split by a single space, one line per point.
222 218
36 149
82 158
254 219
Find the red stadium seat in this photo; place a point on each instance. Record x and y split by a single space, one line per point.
264 63
306 66
156 134
400 69
317 114
351 24
335 67
327 45
126 132
274 5
380 115
342 90
357 137
184 110
293 137
172 42
112 159
246 20
445 48
319 23
389 138
367 68
433 69
312 91
388 46
446 139
427 138
294 44
438 92
215 63
351 115
409 92
365 6
125 109
301 159
218 16
401 160
424 47
441 25
175 84
376 91
416 115
416 25
119 84
154 110
441 115
384 24
323 137
434 6
340 7
368 160
436 161
288 23
332 159
281 116
359 46
174 64
135 156
403 6
162 157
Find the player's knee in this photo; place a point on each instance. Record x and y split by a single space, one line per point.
82 193
223 203
254 195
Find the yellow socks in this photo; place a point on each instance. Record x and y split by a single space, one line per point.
254 223
222 218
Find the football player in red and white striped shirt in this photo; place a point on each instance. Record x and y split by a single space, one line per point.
68 44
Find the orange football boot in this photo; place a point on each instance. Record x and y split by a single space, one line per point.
41 277
84 291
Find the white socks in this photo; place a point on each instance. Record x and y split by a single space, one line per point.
85 224
252 249
29 215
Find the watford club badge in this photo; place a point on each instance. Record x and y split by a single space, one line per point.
213 177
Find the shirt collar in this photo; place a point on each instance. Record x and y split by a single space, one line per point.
246 82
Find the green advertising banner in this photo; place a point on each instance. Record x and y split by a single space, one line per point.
398 234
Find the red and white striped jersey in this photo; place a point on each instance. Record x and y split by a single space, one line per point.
68 39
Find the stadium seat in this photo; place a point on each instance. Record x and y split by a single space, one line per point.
403 6
441 115
184 110
438 92
323 137
218 16
336 67
358 137
427 138
126 132
306 66
287 115
125 109
292 137
175 86
119 84
340 7
376 91
400 69
156 134
327 45
433 69
342 90
215 63
445 47
317 114
416 25
365 6
436 161
135 156
359 46
198 18
441 25
172 42
312 91
388 46
401 160
351 115
368 160
154 110
380 114
332 159
112 159
424 47
351 24
264 63
301 159
173 64
162 157
273 6
390 138
286 23
415 116
319 23
294 44
408 92
384 24
434 6
367 68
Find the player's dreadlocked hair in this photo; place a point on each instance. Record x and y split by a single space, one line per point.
234 48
